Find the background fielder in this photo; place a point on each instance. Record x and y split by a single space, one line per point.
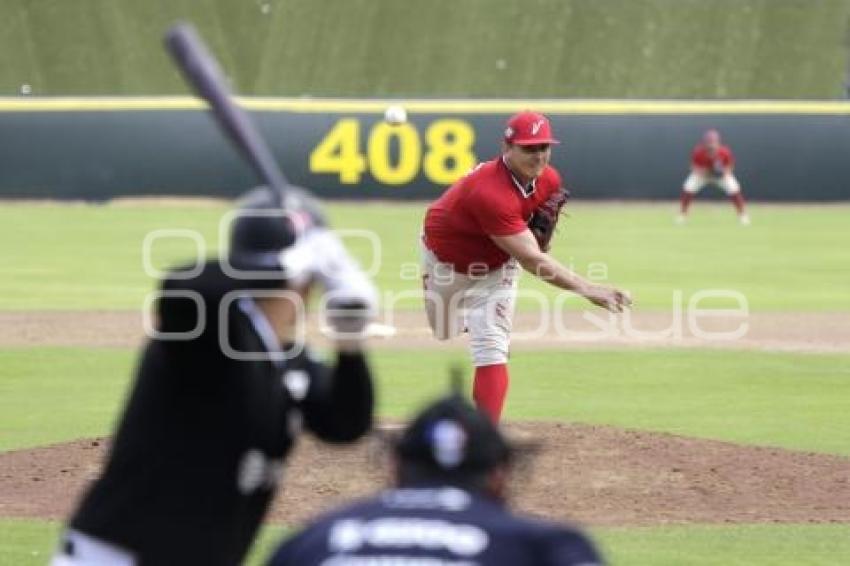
476 237
712 163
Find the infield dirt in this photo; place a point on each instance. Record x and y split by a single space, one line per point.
780 331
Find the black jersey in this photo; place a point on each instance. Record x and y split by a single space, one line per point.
202 441
441 526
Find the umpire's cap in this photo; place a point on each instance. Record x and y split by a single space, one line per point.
451 437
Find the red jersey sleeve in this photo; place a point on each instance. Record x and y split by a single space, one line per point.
497 217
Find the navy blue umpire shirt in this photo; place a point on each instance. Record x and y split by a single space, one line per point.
434 526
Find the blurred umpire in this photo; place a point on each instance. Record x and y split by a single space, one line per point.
221 394
451 467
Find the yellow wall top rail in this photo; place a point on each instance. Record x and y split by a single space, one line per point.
430 106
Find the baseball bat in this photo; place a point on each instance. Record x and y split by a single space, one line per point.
202 71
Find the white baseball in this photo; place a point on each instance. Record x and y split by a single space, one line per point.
395 115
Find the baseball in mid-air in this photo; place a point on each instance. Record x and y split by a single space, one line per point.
395 115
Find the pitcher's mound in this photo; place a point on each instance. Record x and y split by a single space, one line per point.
594 475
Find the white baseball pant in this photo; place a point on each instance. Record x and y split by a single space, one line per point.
696 182
480 304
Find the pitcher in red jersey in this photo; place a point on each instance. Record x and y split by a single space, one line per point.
476 237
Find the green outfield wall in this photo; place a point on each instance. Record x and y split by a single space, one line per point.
102 148
777 49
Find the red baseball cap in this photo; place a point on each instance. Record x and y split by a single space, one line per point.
529 128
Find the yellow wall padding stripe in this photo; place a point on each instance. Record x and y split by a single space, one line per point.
424 106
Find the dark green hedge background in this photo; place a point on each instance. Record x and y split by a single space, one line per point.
502 48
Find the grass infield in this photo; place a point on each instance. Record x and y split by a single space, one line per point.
28 542
799 401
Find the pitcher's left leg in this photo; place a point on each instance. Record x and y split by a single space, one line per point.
491 303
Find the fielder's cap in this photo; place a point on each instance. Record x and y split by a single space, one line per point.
452 437
529 128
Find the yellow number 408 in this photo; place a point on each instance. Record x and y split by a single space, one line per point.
447 158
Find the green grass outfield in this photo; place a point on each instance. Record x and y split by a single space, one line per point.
793 258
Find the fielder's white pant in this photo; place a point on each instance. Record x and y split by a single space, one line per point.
695 183
482 304
79 549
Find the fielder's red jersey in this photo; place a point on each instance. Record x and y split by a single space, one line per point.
700 157
489 201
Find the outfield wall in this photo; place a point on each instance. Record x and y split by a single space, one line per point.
102 148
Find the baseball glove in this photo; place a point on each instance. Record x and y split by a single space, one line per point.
545 219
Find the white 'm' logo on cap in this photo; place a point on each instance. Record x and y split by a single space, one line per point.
535 127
